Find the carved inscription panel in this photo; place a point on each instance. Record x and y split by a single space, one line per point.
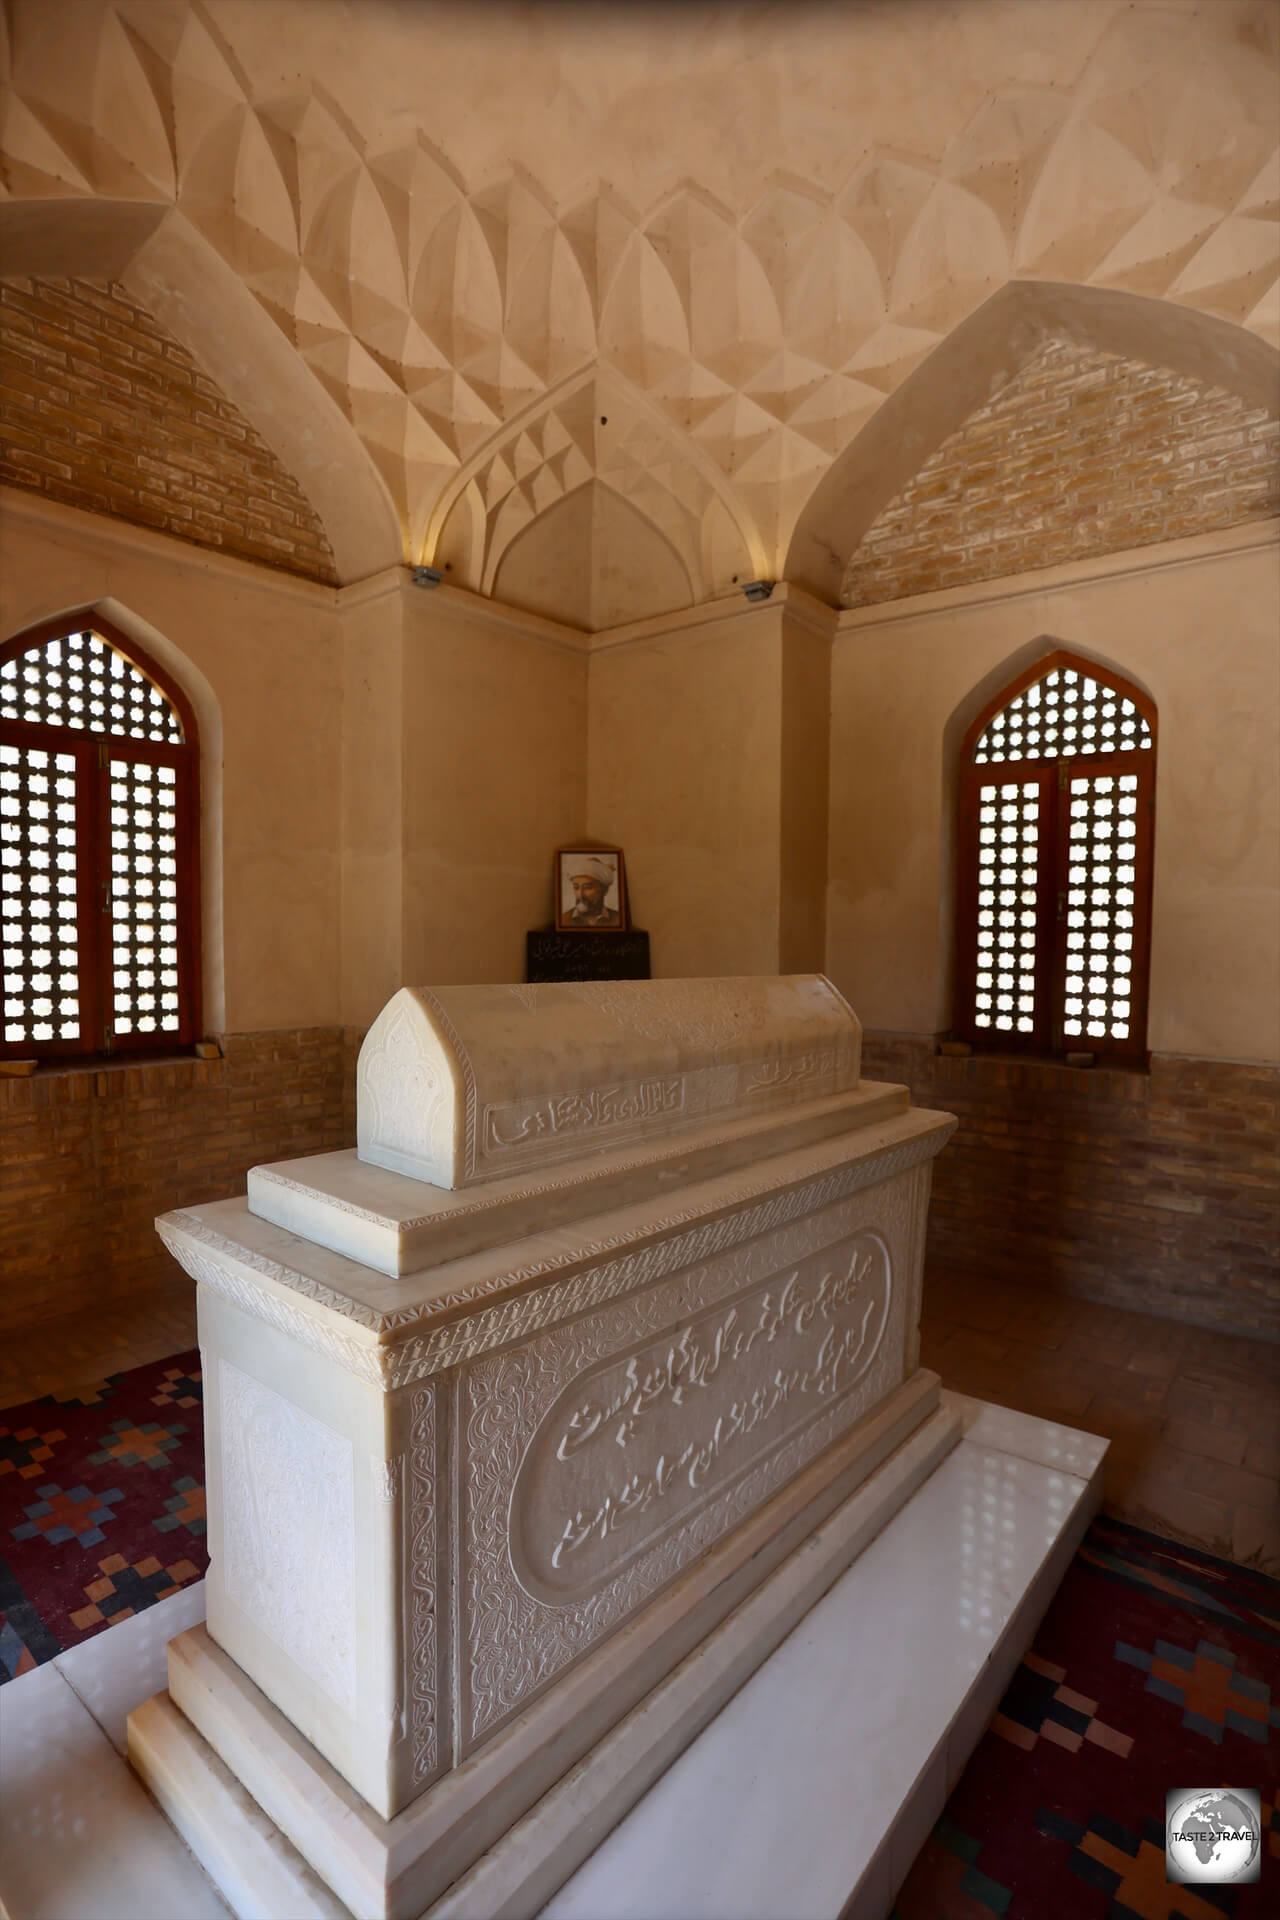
633 1445
601 1457
540 1131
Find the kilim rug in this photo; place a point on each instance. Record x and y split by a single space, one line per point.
1156 1667
101 1506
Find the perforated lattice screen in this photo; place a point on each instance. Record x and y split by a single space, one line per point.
1057 825
144 898
1100 907
80 681
1064 714
1008 848
97 777
38 927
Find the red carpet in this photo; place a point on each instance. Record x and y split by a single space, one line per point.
1156 1666
101 1506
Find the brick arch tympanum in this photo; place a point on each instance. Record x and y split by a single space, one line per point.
192 292
964 373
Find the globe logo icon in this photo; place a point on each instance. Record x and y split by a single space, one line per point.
1213 1836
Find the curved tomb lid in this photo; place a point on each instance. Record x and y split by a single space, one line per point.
460 1085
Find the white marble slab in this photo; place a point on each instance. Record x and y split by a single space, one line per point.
79 1838
111 1686
783 1804
854 1729
400 1226
1065 1448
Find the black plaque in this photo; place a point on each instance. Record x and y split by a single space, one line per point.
587 956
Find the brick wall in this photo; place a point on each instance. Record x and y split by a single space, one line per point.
1157 1192
90 1157
1081 453
1152 1191
101 408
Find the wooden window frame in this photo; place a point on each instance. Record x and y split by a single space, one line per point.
93 753
1053 777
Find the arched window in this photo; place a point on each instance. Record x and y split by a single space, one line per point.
1057 777
99 907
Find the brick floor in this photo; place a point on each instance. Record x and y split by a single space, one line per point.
1193 1417
49 1355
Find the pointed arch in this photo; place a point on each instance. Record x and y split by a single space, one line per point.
100 844
481 491
1055 800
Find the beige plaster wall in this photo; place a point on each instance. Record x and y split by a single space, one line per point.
386 772
683 774
261 658
494 778
1196 624
803 780
373 734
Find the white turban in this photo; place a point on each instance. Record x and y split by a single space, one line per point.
593 869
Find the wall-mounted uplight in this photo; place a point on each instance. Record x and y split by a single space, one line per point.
427 576
758 589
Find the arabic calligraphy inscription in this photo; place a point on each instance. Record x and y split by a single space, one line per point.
634 1445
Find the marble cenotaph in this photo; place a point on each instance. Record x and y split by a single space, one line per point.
534 1424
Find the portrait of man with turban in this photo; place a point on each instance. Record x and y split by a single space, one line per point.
589 890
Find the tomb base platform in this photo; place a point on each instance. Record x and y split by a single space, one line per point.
795 1761
535 1426
216 1725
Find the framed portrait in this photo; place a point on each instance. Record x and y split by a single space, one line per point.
590 890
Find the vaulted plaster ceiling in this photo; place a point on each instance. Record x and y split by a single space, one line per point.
459 261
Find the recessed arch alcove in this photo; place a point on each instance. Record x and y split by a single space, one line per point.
666 531
591 560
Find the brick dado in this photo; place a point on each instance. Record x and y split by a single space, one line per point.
1156 1192
1151 1191
92 1155
1080 453
101 408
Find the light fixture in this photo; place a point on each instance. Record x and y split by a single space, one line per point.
427 576
758 589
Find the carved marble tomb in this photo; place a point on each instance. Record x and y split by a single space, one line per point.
519 1416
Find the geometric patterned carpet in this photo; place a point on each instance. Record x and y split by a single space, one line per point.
101 1506
1155 1667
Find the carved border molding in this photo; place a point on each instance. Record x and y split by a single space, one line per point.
388 1479
422 1656
238 1273
210 1259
